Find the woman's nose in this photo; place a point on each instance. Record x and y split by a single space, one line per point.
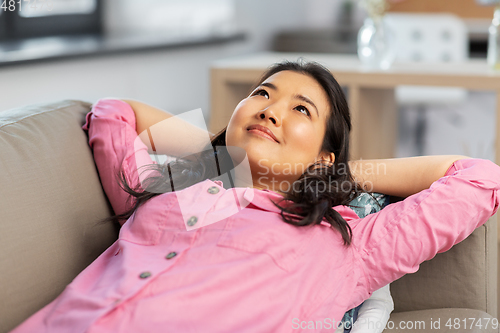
271 115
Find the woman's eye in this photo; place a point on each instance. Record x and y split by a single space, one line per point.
303 109
261 92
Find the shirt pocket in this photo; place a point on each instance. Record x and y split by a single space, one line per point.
256 231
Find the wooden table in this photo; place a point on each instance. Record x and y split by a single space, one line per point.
370 92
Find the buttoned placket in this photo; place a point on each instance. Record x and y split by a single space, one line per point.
183 240
165 260
208 202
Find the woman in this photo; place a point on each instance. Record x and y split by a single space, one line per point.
206 258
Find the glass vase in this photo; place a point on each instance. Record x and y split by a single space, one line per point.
494 41
376 43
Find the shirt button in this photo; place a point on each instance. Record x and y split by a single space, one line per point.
145 275
213 190
171 255
192 221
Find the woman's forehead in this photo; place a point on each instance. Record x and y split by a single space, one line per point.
290 75
290 79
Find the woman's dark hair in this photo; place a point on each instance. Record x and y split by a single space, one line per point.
311 197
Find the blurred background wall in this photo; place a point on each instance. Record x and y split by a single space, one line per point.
176 78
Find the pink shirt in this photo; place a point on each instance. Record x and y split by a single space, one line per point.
249 272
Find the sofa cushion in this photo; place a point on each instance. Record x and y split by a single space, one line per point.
51 201
442 320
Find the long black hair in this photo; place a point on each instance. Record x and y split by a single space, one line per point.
310 199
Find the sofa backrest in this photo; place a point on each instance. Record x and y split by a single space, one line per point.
50 202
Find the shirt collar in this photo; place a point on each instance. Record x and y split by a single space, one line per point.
262 199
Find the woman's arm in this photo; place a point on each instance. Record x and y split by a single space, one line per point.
401 176
146 115
112 137
165 133
397 239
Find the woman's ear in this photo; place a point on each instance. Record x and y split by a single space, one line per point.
326 157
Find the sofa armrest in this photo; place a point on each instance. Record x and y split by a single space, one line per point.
463 277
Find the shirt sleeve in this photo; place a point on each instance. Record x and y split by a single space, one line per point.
111 127
396 240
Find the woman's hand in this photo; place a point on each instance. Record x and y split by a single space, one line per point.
401 176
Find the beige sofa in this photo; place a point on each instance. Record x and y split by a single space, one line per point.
51 200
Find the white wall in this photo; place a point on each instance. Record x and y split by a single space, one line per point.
322 14
174 80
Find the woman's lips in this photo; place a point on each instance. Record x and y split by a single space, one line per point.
263 132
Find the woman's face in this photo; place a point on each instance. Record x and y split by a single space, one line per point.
294 107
